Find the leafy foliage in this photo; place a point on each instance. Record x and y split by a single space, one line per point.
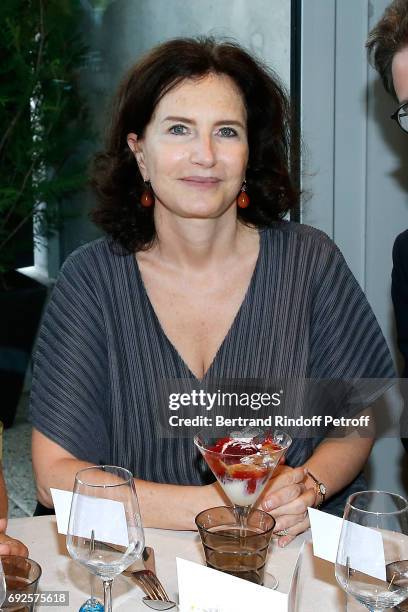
42 117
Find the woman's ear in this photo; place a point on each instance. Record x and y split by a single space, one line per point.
135 145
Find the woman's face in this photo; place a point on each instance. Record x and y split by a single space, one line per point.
195 148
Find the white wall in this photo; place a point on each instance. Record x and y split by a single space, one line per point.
356 167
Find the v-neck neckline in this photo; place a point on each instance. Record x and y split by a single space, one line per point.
230 330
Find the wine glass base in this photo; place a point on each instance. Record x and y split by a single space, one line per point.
270 581
91 605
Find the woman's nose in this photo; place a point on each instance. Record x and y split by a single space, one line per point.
203 152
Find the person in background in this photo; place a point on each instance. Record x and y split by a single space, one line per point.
388 52
8 545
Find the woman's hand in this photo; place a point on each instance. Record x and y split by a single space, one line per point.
287 499
8 545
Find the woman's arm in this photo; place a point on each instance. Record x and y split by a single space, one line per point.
8 546
3 496
335 462
164 506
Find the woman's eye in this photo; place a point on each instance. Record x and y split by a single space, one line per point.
178 129
227 131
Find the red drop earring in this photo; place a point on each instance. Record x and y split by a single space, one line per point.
147 197
243 199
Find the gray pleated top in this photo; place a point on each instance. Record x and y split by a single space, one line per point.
101 351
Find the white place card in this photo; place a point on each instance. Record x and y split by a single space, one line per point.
326 530
366 548
105 517
202 589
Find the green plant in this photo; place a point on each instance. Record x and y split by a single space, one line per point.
43 118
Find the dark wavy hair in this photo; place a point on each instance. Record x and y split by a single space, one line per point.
389 36
115 176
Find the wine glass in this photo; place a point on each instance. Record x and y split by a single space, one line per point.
243 463
373 549
105 532
3 587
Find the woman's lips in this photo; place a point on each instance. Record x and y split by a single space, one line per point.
202 182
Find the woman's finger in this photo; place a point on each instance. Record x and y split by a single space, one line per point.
288 520
274 494
291 503
285 476
281 498
293 532
10 546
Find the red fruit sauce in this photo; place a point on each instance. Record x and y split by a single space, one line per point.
230 449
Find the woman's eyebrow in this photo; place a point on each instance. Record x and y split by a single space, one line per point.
182 119
192 122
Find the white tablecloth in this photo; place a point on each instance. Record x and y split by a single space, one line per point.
317 591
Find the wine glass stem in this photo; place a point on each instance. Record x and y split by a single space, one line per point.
241 513
107 595
92 587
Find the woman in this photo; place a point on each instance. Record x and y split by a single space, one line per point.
199 278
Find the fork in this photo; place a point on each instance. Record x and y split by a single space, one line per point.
149 583
147 580
144 574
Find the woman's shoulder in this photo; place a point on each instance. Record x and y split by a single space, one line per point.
300 234
92 257
91 271
96 248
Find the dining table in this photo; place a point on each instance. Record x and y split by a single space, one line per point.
316 588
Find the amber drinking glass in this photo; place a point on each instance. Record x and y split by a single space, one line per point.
21 578
232 549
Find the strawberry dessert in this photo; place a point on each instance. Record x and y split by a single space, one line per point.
243 464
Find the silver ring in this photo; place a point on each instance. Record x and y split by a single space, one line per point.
282 532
